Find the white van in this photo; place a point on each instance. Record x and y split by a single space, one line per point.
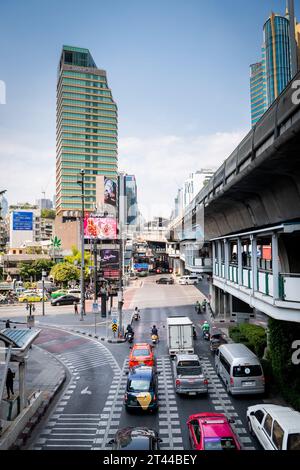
239 369
276 427
184 280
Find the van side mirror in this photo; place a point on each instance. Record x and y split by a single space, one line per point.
111 442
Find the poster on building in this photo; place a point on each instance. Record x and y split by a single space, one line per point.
22 220
102 228
109 259
110 192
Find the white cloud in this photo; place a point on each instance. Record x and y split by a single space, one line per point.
161 164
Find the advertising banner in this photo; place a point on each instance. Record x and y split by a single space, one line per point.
110 192
102 228
111 273
109 258
22 220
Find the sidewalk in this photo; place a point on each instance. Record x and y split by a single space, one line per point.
43 374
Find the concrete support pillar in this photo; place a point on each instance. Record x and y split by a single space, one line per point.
275 266
22 370
219 258
226 258
213 291
254 262
226 306
240 261
213 258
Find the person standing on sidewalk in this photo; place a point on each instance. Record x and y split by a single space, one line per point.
76 308
10 382
7 324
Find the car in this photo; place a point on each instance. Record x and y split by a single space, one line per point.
185 280
131 438
76 292
58 293
141 389
165 280
212 431
188 375
142 273
32 297
141 354
68 299
276 427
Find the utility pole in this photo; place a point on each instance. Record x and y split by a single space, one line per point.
82 293
43 291
120 226
95 271
294 56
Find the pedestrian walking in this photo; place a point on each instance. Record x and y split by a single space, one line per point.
76 308
7 324
10 382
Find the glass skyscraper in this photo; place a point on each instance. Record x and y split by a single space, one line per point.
278 55
270 76
87 129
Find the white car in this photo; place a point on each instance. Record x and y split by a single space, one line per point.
276 427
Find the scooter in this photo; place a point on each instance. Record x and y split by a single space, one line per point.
206 335
136 316
154 339
130 336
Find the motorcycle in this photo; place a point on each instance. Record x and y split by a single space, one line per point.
154 339
206 335
130 336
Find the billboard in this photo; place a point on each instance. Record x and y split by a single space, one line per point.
110 192
109 259
22 220
103 228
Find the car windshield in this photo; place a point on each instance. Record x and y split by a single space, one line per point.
135 443
219 443
293 441
247 371
138 385
141 352
194 370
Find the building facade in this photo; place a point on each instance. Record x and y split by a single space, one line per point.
257 91
270 76
86 130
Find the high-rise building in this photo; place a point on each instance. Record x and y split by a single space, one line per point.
44 203
257 91
3 207
86 130
278 55
270 76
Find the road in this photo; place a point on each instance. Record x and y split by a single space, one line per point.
91 409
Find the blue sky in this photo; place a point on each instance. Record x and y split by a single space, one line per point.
179 72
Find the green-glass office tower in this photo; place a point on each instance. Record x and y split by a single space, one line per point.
86 132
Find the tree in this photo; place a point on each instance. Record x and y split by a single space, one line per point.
34 270
48 214
64 272
75 259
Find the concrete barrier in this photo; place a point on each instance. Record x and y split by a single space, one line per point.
17 426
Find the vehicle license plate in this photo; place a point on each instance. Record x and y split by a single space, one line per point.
192 393
248 384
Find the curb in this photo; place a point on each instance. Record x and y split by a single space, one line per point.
36 418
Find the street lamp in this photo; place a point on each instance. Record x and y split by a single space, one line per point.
80 180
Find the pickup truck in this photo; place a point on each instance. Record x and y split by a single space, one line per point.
188 375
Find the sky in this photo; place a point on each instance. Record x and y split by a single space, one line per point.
178 71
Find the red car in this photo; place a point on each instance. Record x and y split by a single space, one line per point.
211 431
141 354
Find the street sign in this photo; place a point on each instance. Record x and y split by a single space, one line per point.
30 321
114 327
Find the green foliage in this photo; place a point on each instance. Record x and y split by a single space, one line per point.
64 272
253 336
75 259
287 375
48 214
34 270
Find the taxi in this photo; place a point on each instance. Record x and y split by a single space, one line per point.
58 293
32 297
212 431
142 389
141 354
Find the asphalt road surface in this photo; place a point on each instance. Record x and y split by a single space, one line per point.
91 409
